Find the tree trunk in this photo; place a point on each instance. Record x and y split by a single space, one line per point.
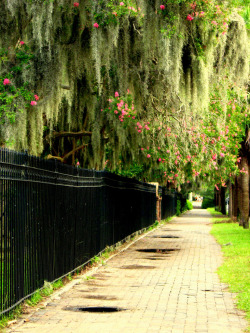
244 216
230 208
234 200
223 200
216 199
239 199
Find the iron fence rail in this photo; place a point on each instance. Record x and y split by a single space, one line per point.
55 217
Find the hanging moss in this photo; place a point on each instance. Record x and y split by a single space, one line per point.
167 63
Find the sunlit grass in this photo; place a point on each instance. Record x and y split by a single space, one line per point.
235 270
212 211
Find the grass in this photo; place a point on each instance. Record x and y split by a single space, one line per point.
35 299
235 270
218 217
212 211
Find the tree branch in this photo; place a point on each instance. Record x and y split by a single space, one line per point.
65 157
71 134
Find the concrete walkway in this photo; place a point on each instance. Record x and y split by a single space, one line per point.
166 285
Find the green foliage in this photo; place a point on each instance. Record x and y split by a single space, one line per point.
189 205
35 299
121 109
245 13
155 225
235 270
12 315
58 284
15 95
178 208
110 12
207 202
243 7
94 260
107 251
47 289
208 197
212 211
134 170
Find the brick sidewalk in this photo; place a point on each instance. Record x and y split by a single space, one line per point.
173 292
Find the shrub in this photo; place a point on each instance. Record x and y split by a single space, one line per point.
189 205
178 208
207 202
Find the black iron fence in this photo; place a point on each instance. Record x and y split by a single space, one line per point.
168 203
54 218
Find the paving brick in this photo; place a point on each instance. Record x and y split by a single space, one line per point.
180 293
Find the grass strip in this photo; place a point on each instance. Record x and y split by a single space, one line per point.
235 271
213 212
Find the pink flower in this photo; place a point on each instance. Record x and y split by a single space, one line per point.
116 112
190 18
222 154
162 7
96 25
214 23
76 4
176 175
78 163
121 3
193 5
33 103
36 97
202 14
159 159
142 149
6 82
22 42
148 156
116 94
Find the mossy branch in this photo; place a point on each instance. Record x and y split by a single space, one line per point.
70 134
65 157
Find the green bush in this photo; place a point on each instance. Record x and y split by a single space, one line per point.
178 208
207 203
189 205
